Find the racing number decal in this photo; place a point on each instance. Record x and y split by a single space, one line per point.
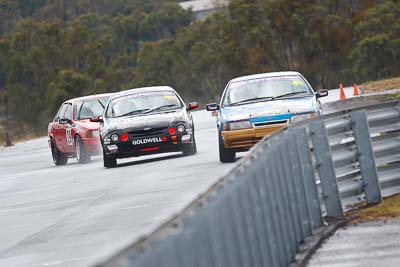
69 136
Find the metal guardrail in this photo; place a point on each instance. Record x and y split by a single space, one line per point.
261 212
365 150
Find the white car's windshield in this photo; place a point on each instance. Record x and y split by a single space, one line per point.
263 89
141 103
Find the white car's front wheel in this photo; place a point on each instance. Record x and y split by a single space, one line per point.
225 154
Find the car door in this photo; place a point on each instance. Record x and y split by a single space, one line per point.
57 128
66 131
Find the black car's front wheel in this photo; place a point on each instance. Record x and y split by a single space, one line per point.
58 157
225 154
191 150
82 155
109 162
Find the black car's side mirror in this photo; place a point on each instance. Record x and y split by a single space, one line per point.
321 93
192 105
96 119
64 121
212 107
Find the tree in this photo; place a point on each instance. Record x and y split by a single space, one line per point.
52 50
68 84
377 51
164 23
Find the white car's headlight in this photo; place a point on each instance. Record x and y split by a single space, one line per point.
237 125
303 117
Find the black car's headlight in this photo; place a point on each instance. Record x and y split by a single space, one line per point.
115 137
181 128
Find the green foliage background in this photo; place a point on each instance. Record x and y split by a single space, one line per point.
53 50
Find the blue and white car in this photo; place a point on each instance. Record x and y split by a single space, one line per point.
258 105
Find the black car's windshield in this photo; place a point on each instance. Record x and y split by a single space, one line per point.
265 89
89 108
143 103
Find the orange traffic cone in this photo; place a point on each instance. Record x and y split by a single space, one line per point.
342 95
355 92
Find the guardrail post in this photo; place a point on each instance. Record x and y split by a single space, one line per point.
326 168
366 158
308 178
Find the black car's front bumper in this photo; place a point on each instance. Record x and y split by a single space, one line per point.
129 149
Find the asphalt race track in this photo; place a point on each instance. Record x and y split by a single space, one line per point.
77 215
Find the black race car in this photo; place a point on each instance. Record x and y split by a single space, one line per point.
146 121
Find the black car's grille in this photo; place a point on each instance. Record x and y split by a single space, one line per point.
145 132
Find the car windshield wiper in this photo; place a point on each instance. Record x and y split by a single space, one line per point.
161 107
255 99
133 112
290 94
101 103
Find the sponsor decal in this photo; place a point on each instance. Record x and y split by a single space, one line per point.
147 141
170 97
297 82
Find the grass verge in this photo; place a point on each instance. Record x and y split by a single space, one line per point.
20 139
389 208
381 85
388 97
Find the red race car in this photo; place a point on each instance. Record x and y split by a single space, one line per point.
72 134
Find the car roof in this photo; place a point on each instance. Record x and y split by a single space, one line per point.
265 75
143 90
89 97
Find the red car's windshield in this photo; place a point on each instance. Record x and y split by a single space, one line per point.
89 108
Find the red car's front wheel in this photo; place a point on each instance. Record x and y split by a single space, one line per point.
58 157
82 155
